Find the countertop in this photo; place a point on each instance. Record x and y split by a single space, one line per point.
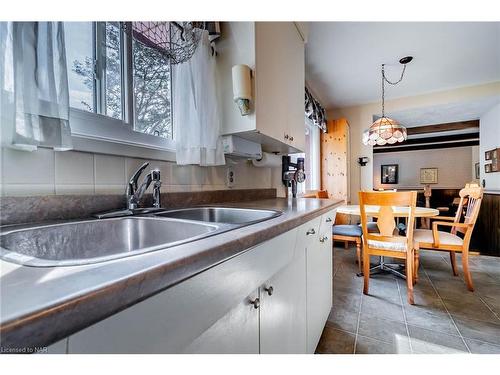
40 306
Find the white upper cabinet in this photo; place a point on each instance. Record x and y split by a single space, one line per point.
275 52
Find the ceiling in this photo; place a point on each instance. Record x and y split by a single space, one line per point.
343 59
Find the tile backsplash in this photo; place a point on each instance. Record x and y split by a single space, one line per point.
46 172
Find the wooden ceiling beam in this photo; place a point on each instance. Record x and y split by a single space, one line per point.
462 125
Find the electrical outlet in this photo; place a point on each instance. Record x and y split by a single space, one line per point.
230 177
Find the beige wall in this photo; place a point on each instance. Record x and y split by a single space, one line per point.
45 172
361 117
489 138
454 167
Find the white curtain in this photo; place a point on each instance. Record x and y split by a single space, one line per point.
34 86
195 112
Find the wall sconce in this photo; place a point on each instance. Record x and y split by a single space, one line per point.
242 87
363 160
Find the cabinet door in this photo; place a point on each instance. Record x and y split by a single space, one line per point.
235 333
283 311
279 93
295 91
319 281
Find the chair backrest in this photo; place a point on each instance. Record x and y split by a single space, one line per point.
470 199
386 219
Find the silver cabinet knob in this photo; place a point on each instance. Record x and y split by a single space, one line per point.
311 231
255 303
286 136
269 290
323 239
328 220
291 139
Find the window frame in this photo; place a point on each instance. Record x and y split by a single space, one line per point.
96 126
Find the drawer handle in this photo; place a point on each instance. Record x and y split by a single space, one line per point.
255 303
323 239
311 231
328 219
269 290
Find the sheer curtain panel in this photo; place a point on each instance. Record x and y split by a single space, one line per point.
195 112
34 86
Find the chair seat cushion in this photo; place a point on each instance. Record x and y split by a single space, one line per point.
372 227
392 246
347 230
445 238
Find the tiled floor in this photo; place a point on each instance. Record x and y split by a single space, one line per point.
446 317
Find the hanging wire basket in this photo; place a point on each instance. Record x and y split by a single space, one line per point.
177 40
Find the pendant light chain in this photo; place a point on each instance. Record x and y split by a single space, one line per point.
384 79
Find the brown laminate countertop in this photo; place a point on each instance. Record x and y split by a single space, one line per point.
40 306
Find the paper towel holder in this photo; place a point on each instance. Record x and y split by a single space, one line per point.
242 87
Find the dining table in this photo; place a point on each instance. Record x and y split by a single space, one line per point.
398 212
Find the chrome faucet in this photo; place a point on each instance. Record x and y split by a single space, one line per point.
136 192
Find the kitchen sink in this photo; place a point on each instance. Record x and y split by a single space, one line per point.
222 215
93 241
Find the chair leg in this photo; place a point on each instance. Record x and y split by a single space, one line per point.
416 264
465 266
409 276
366 271
358 254
453 263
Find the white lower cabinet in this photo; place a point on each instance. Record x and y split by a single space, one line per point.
319 281
235 332
273 298
283 310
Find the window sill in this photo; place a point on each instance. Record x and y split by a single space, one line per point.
101 134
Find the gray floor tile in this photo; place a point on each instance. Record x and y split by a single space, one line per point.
368 345
343 318
430 342
477 309
334 341
388 331
381 307
481 347
432 320
478 330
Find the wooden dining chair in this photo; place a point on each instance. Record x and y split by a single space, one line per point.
387 242
435 239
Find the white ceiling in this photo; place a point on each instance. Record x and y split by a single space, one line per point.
444 113
343 59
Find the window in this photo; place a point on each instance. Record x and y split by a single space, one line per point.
80 60
152 94
311 159
122 84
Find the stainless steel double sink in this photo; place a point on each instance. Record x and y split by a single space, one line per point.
92 241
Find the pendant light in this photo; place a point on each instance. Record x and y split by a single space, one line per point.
386 130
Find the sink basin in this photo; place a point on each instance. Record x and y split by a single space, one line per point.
223 215
93 241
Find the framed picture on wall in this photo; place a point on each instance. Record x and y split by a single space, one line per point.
476 167
428 175
495 165
488 155
487 168
389 174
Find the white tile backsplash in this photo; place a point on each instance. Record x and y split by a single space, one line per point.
24 167
45 172
74 168
109 170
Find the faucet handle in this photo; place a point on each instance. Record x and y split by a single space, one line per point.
136 175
